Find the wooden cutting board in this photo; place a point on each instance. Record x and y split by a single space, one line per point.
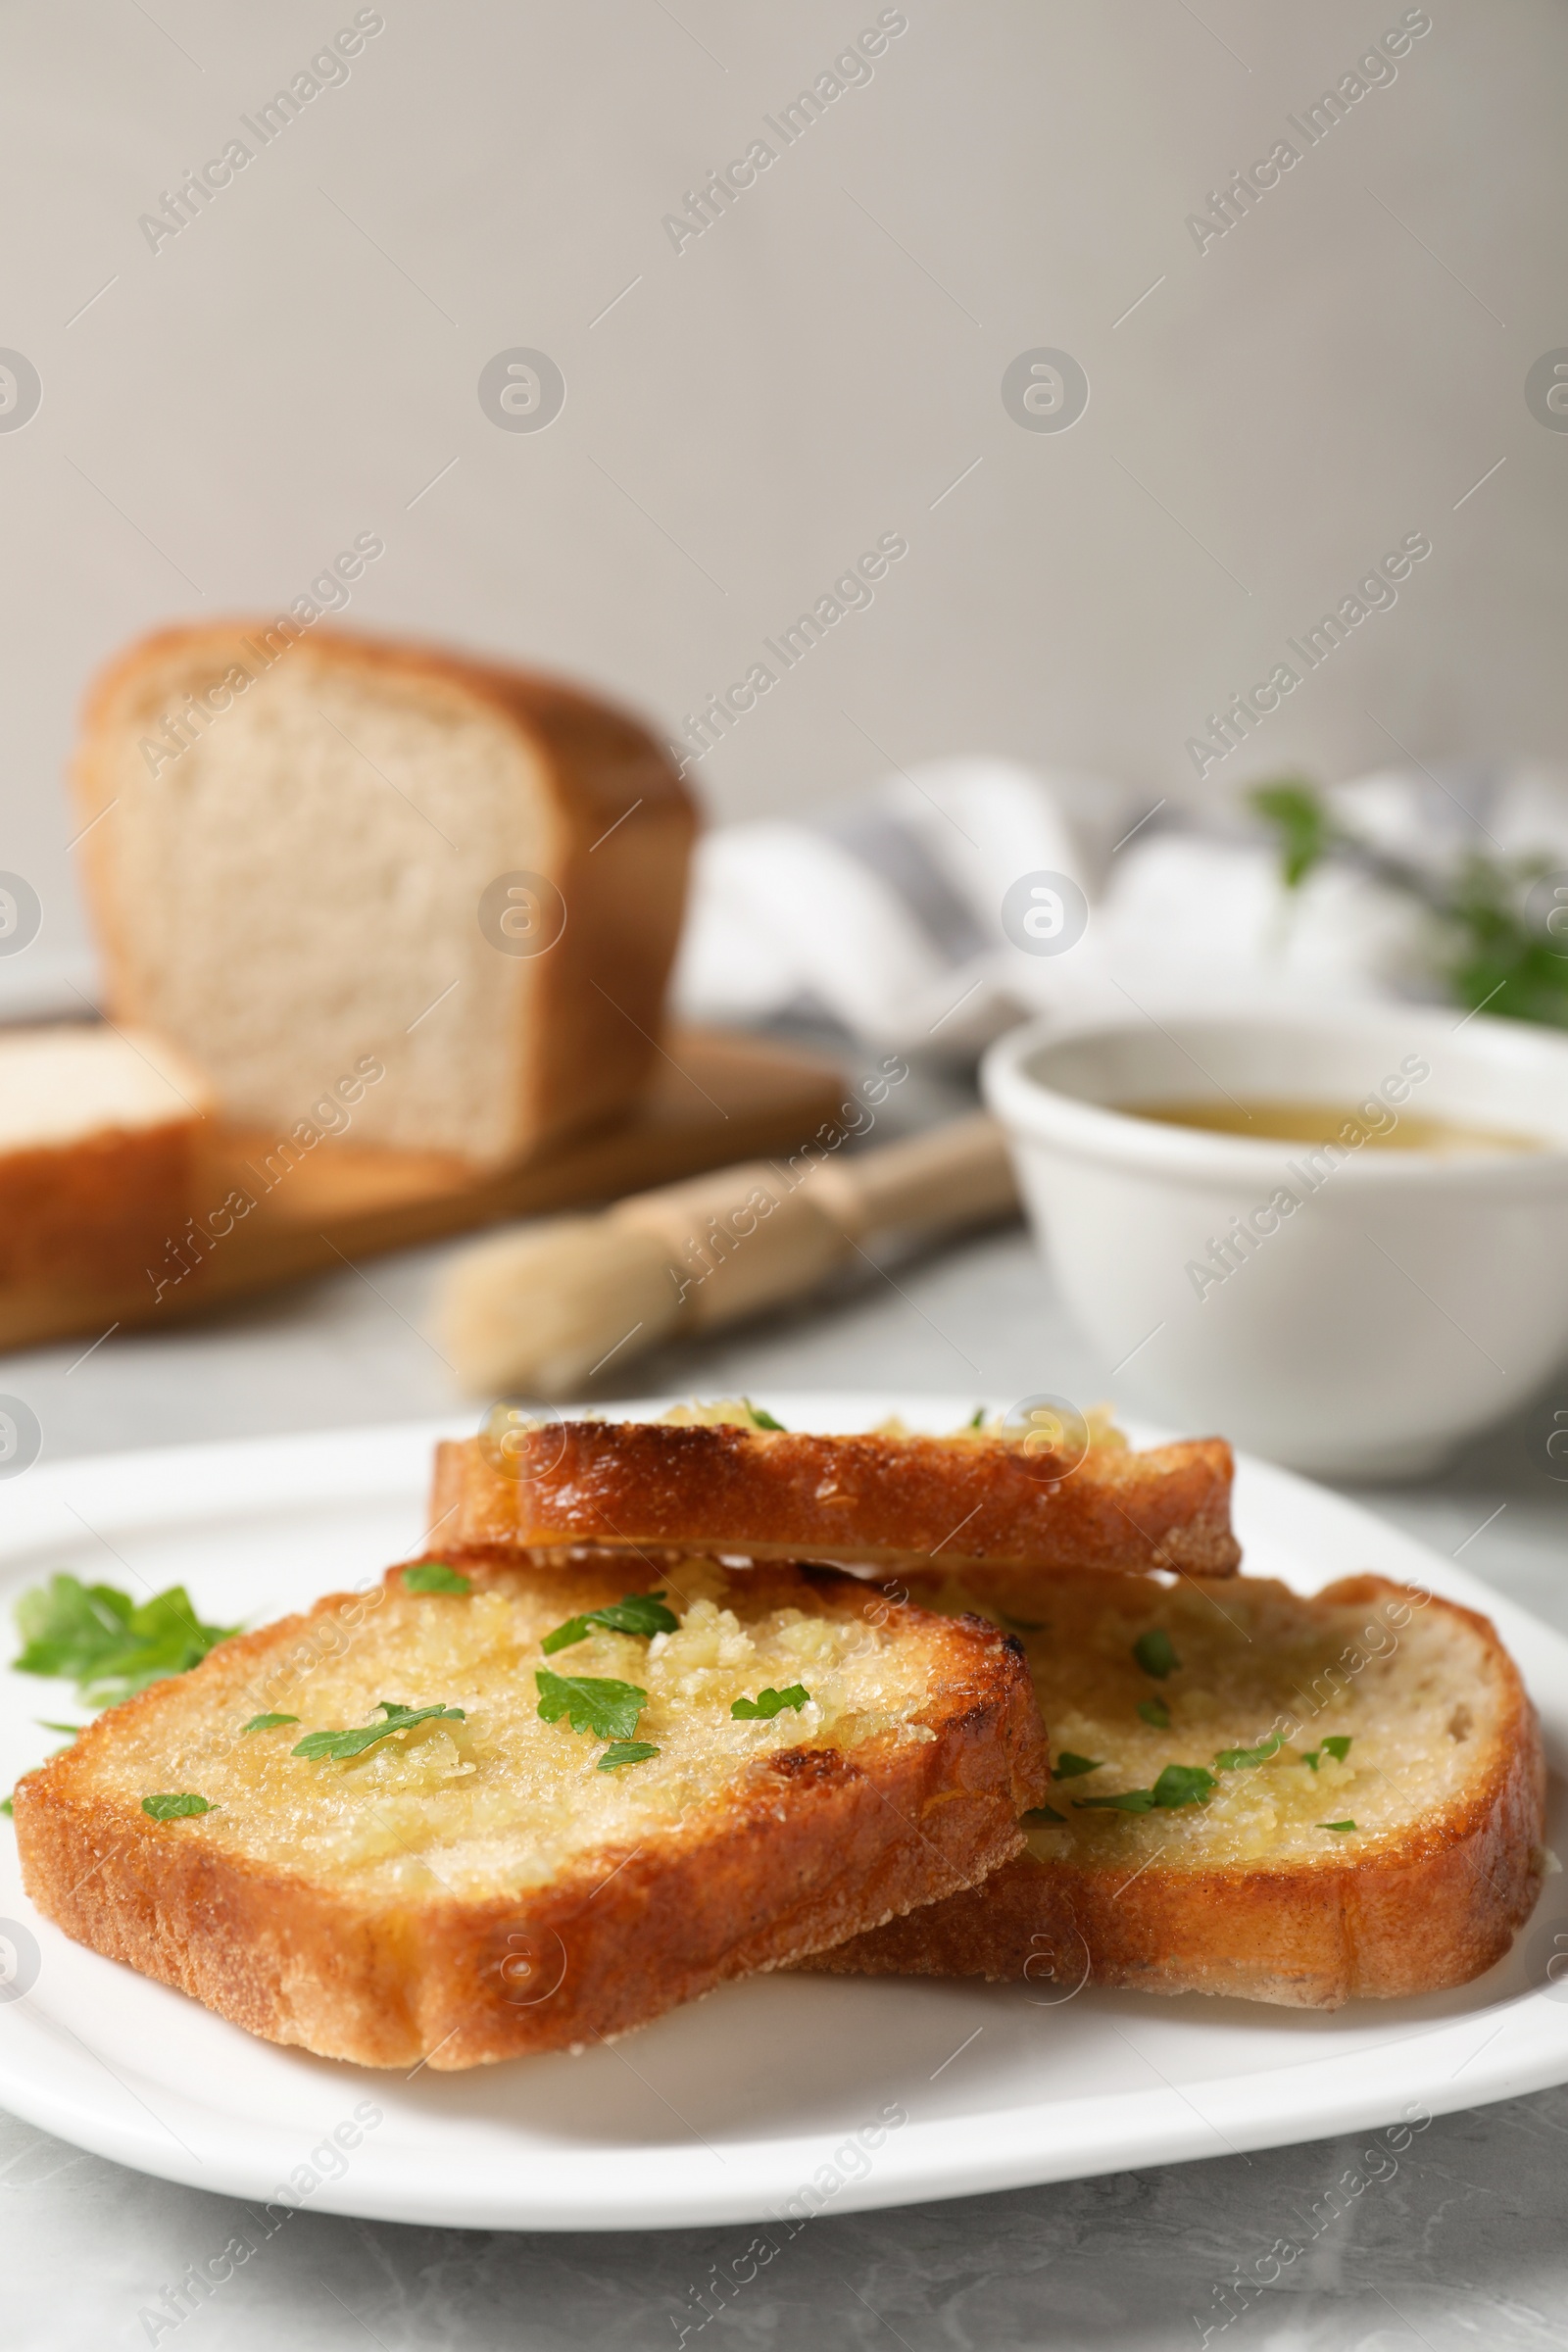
717 1096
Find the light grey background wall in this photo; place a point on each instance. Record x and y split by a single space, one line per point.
744 415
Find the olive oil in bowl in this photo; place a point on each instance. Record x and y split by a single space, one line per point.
1371 1124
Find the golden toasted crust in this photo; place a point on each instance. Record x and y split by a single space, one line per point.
809 1844
1432 1908
101 1208
624 821
868 1501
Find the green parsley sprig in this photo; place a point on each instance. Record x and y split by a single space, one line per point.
336 1747
176 1805
590 1703
1155 1653
1177 1785
769 1702
434 1576
1243 1759
105 1641
1193 1784
643 1614
1490 945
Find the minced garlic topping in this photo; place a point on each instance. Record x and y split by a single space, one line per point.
504 1799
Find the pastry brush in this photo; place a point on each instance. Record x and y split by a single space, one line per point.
541 1312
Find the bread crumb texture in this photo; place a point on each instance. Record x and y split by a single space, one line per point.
504 1802
62 1083
328 868
1415 1691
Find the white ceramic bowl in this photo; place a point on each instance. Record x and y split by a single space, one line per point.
1400 1301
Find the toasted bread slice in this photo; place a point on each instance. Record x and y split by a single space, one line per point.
1427 1755
472 1888
982 1501
98 1139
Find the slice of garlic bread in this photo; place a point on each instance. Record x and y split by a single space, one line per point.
460 1818
983 1500
1293 1800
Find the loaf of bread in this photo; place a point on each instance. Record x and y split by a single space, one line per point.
97 1138
306 848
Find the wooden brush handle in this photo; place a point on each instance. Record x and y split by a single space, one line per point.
954 1175
545 1310
735 1242
749 1237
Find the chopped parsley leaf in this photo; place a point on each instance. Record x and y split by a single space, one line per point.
642 1613
1334 1824
1177 1785
763 1419
590 1703
1155 1653
73 1730
1042 1813
183 1807
1338 1748
1241 1759
625 1752
1069 1766
977 1419
434 1576
336 1747
266 1723
1154 1711
769 1703
101 1639
1184 1784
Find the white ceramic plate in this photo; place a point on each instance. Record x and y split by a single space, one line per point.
773 2097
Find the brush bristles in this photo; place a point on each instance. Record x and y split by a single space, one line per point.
541 1312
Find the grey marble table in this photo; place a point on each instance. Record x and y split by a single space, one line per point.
1466 2246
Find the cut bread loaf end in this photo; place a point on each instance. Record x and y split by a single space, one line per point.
475 1886
976 1503
1388 1845
305 849
98 1134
